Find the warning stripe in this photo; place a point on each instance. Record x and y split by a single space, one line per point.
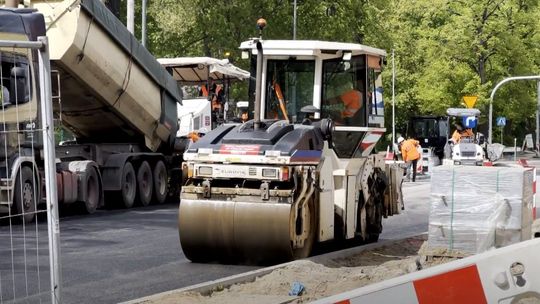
458 286
495 276
240 149
368 142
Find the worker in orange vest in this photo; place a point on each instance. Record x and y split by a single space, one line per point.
409 153
461 132
351 102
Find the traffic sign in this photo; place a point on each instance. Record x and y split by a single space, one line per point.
470 101
470 122
501 121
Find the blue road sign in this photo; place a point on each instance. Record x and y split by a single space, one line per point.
501 121
470 122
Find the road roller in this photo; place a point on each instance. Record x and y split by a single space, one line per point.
304 169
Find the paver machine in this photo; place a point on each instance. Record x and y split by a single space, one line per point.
302 171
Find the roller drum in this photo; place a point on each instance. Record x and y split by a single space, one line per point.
227 231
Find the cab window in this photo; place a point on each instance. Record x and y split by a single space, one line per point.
291 81
14 83
343 94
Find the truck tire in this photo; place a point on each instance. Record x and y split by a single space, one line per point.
25 195
93 191
160 182
145 184
129 185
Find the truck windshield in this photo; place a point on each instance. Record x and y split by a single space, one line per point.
292 81
14 88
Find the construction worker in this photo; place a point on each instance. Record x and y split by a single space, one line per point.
410 154
203 91
460 133
351 101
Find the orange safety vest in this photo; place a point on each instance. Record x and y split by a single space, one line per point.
352 100
456 136
409 151
216 105
204 91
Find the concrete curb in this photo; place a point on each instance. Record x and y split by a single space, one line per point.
250 276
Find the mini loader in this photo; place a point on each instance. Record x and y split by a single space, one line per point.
303 170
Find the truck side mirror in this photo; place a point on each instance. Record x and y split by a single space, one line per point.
19 92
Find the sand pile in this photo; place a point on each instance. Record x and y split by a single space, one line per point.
320 280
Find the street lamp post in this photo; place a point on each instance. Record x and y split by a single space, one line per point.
393 102
130 24
537 142
294 21
490 133
143 25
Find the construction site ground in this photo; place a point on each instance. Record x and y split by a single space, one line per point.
321 276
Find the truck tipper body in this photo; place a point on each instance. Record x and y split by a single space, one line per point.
108 90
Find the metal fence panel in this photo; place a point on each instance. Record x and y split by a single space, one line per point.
29 227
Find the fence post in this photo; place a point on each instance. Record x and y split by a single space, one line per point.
50 169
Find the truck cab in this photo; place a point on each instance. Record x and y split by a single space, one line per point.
19 115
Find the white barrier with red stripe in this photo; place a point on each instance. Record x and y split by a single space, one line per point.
496 276
534 194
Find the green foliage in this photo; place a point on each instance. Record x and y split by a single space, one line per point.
444 49
447 49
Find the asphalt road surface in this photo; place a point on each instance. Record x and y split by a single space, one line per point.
414 219
119 255
107 257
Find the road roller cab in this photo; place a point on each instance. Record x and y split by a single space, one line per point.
302 171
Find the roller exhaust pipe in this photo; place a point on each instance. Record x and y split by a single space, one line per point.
258 84
261 23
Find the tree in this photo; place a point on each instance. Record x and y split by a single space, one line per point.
444 48
465 48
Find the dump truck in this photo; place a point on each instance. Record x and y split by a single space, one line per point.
303 171
108 91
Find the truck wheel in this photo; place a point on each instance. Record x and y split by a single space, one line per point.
25 195
160 182
93 193
129 185
144 184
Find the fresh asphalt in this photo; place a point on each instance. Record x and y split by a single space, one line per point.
107 257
